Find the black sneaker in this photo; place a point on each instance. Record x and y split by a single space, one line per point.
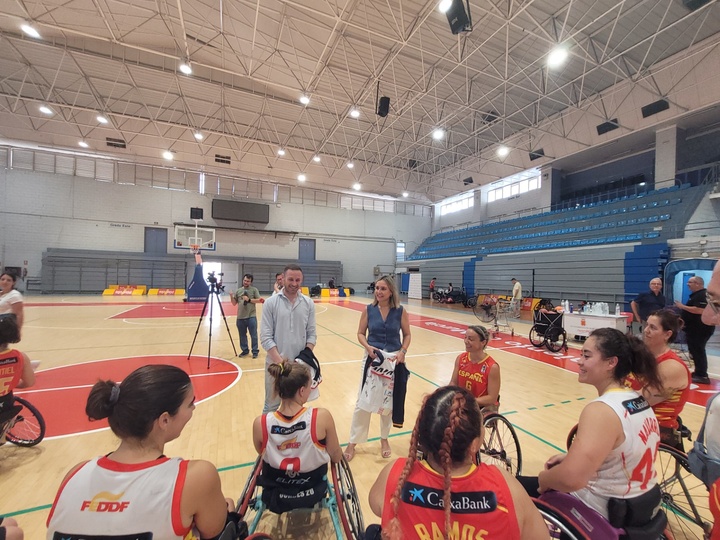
255 355
697 379
244 353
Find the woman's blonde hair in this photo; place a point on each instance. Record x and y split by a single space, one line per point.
394 293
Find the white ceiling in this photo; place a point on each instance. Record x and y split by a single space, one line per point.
253 59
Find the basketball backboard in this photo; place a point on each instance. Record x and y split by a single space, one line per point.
186 236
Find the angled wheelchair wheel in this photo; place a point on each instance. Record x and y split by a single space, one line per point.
571 436
559 526
28 427
348 503
437 296
555 339
471 302
250 505
684 496
536 338
485 312
501 446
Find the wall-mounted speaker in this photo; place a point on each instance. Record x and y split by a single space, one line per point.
458 18
655 107
537 154
383 106
607 126
196 213
468 181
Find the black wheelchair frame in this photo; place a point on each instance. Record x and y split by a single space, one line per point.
548 331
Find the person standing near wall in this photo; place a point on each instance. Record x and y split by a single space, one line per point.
245 299
288 326
432 287
278 285
11 301
516 302
647 303
696 331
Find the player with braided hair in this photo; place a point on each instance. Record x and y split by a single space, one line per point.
439 490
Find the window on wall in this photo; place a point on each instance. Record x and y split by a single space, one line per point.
515 185
457 204
400 251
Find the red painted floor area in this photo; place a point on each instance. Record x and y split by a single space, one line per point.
60 393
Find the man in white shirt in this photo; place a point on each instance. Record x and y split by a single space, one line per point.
516 301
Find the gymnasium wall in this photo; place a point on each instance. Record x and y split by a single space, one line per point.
45 210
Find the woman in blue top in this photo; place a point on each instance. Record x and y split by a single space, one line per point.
384 326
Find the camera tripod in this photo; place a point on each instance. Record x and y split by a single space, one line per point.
212 292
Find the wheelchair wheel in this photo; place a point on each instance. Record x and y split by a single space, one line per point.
28 427
571 437
437 296
250 505
471 302
501 444
348 502
684 496
558 525
536 338
485 312
555 339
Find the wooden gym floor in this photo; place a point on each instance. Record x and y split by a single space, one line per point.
79 339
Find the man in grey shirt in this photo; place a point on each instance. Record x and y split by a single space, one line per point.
288 326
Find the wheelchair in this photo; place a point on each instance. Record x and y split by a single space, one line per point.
22 424
548 331
501 446
341 501
568 518
684 497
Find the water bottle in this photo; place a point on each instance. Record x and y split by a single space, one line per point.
617 309
571 307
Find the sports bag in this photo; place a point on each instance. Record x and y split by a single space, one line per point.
701 464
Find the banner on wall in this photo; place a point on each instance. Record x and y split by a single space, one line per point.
415 286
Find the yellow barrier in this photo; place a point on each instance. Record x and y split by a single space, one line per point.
166 292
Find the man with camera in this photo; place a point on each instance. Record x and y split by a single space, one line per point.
245 299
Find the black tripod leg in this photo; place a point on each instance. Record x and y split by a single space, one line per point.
226 324
210 294
202 314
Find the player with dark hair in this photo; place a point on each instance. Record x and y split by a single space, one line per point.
477 371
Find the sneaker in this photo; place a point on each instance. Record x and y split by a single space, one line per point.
697 379
255 355
244 353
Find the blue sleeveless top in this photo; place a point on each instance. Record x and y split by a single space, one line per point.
384 335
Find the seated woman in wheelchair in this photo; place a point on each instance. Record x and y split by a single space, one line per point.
296 443
17 371
136 491
667 398
477 371
440 491
610 465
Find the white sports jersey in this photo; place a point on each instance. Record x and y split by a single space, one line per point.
292 445
376 394
104 497
629 470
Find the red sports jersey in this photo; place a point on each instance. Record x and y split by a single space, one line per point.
474 377
482 506
11 368
666 411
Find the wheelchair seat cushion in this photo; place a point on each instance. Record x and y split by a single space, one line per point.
282 499
585 518
635 512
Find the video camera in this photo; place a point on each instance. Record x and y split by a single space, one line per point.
213 281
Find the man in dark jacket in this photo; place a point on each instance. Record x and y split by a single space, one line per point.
696 331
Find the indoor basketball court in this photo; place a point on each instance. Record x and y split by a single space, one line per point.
81 339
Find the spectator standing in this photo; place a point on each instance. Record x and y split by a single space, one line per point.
432 287
696 331
245 299
11 301
516 302
288 326
648 302
331 283
278 285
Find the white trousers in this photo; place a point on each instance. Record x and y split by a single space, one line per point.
361 426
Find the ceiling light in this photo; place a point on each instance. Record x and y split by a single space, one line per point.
316 159
281 152
354 113
302 177
29 30
405 194
350 165
444 6
185 68
167 154
83 144
304 99
557 57
198 136
45 109
641 184
357 186
503 151
102 119
438 134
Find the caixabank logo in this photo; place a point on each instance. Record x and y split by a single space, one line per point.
105 502
467 502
